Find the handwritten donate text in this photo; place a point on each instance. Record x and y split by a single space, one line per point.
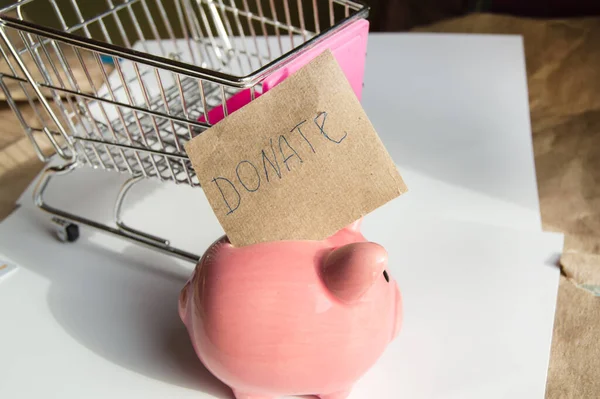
271 163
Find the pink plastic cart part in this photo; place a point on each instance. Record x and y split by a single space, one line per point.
349 47
234 103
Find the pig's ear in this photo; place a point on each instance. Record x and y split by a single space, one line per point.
349 231
349 271
183 302
355 226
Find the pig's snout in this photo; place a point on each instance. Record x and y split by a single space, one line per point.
350 271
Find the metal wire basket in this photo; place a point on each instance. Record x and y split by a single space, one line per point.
122 85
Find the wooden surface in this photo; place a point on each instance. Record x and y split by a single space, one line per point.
563 66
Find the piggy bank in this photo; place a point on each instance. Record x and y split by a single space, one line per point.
292 317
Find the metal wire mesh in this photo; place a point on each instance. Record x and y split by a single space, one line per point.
123 84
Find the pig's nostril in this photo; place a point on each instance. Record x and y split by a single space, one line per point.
385 275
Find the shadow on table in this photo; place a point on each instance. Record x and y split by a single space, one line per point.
123 307
120 304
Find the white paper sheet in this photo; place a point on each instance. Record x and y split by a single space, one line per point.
453 112
98 318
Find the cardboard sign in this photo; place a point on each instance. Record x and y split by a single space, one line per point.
298 163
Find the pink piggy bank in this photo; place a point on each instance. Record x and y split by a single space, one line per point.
292 317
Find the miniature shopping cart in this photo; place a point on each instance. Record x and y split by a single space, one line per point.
122 85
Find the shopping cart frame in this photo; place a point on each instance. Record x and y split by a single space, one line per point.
67 222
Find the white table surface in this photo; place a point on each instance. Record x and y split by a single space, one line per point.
98 318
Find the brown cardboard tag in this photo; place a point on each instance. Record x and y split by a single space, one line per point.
298 163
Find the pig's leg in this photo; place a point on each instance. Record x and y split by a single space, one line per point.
336 395
243 395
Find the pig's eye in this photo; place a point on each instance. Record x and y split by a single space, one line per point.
385 275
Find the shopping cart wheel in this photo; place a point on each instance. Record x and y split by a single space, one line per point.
65 231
